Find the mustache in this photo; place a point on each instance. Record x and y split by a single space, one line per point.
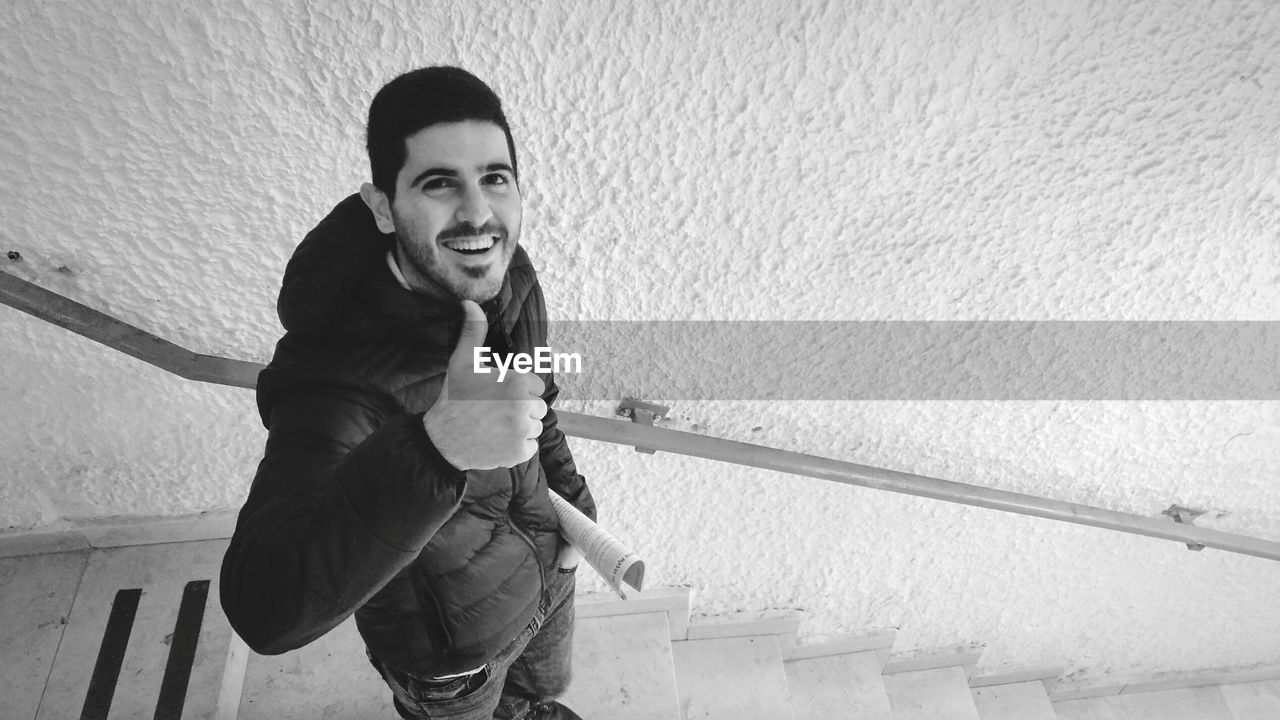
466 229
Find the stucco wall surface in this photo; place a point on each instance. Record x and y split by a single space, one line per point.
1000 160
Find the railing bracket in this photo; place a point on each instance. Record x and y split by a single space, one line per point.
1185 515
641 412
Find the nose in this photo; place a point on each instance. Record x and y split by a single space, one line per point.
474 206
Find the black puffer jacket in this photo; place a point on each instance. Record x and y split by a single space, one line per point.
352 508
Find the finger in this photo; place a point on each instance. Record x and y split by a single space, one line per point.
530 449
537 408
533 384
474 329
525 384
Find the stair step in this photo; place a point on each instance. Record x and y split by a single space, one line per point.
59 610
1046 674
622 668
1015 701
329 678
935 694
785 622
838 687
1253 701
672 601
36 592
964 656
1201 703
154 609
881 643
1159 682
732 678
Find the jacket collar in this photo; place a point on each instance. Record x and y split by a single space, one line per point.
338 287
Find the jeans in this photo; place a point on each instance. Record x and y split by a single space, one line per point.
533 668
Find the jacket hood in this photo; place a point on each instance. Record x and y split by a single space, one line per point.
337 287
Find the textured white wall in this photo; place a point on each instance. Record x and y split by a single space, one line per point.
719 160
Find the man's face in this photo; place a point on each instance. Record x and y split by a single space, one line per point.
457 210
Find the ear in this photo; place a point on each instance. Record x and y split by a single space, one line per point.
380 205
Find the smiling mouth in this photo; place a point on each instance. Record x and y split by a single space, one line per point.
472 245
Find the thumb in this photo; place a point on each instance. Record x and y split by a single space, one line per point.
474 329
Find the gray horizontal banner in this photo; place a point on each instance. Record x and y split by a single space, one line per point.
919 360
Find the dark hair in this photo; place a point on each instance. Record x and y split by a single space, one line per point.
419 99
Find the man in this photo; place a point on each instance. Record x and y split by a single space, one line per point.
397 482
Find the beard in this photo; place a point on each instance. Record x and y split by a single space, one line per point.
445 271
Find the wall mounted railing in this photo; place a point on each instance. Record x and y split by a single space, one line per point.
148 348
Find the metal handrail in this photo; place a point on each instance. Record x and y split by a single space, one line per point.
132 341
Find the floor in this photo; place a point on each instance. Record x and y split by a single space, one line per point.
138 632
113 633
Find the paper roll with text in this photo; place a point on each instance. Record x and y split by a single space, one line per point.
602 551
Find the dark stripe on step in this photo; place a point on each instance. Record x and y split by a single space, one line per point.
106 672
182 651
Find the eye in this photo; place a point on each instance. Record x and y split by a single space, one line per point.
496 179
436 184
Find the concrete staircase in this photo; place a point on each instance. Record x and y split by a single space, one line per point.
136 632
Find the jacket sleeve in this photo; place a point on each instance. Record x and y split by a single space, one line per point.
553 447
557 461
346 495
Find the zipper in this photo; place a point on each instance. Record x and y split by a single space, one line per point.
533 547
423 586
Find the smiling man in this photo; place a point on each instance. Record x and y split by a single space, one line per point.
456 219
398 484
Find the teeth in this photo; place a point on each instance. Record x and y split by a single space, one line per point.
475 243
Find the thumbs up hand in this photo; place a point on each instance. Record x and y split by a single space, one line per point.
478 423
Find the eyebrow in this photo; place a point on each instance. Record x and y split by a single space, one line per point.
449 172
